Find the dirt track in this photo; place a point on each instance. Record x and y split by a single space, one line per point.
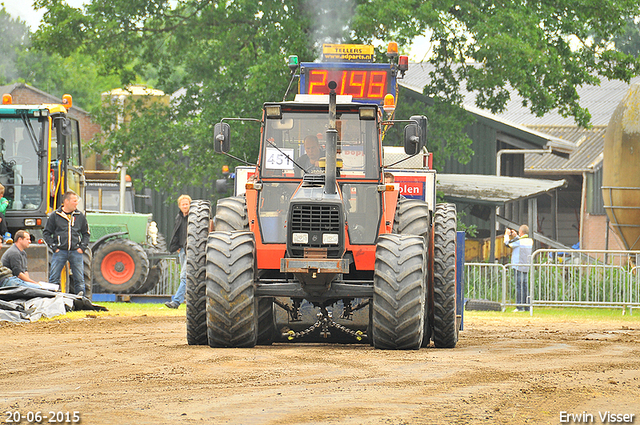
139 370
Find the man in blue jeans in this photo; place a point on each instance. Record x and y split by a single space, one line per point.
522 246
67 234
179 243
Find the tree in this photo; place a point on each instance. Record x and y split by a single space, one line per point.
228 57
47 70
542 49
14 37
629 41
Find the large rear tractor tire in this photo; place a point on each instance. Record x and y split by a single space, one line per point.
445 328
266 321
87 259
413 218
232 308
196 294
157 268
231 214
398 292
120 266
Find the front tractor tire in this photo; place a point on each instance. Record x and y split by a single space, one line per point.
231 214
157 268
232 307
397 314
445 327
413 217
87 260
196 294
120 266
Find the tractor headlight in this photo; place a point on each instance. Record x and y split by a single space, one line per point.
330 239
30 222
300 238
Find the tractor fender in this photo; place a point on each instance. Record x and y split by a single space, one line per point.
94 246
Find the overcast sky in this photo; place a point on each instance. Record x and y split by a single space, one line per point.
23 9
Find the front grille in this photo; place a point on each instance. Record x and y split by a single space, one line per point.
315 218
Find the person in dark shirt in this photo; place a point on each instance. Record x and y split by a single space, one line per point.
312 155
179 243
15 258
67 234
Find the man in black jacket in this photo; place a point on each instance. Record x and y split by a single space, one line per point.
67 234
179 243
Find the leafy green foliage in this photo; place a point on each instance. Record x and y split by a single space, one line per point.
14 37
542 49
446 136
229 57
46 70
628 41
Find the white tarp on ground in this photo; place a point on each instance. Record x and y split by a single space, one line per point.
21 304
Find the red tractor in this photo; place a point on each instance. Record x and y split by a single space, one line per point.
331 234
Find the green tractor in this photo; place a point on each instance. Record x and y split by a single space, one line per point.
129 254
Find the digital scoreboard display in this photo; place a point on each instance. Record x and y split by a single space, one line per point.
365 82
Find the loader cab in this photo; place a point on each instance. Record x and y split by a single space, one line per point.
40 158
66 161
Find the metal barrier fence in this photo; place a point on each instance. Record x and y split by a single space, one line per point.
169 280
571 278
566 278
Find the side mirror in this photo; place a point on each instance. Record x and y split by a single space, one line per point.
415 135
65 127
221 143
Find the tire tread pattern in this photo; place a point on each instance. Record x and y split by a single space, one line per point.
398 299
139 257
413 218
445 330
197 231
232 318
157 268
231 214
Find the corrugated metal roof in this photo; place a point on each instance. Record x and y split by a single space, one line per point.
494 190
600 100
586 157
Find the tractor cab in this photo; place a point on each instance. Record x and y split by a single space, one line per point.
292 167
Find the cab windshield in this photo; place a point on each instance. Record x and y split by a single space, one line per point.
107 198
20 168
295 144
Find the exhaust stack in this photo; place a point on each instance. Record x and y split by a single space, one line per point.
332 144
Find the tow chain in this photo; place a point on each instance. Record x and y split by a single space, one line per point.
325 321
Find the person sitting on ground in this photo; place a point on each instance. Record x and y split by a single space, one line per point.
15 258
4 230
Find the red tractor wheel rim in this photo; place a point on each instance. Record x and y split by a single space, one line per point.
117 267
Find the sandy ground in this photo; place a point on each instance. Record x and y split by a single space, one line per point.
140 370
